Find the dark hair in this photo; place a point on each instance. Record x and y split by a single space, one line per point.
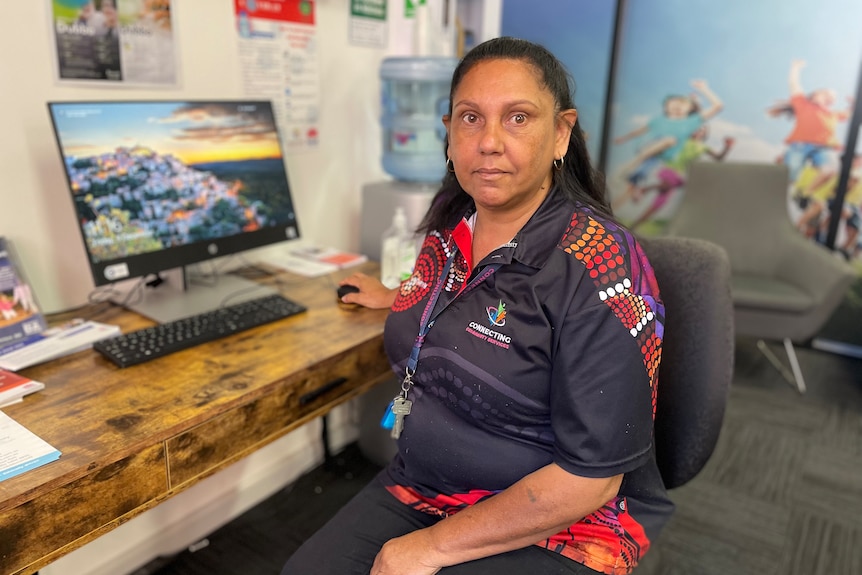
577 179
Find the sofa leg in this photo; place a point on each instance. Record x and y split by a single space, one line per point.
795 377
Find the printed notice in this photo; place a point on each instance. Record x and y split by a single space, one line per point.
278 49
20 449
368 23
114 42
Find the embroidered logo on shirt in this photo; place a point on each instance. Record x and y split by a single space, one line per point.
497 315
496 318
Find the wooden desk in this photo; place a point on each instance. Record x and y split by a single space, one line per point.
131 438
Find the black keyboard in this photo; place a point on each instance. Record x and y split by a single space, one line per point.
149 343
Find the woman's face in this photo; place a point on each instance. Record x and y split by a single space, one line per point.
504 134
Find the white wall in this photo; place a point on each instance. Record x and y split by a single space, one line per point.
35 210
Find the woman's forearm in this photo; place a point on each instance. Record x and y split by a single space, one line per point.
535 508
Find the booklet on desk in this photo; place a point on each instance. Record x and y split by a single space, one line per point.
14 387
20 318
313 261
57 342
20 449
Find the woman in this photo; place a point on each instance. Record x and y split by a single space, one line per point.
531 334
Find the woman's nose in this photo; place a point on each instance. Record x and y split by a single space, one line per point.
490 140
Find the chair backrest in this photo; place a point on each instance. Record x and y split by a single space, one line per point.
693 276
740 206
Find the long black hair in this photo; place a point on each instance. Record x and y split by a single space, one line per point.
577 179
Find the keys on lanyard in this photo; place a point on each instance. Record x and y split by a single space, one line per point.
400 408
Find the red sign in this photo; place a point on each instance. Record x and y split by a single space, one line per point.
298 11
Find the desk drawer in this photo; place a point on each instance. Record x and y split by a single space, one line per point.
46 528
290 404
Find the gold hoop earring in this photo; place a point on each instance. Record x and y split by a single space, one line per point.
559 163
450 167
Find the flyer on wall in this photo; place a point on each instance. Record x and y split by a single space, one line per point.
114 42
278 47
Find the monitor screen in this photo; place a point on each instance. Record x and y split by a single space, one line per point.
158 185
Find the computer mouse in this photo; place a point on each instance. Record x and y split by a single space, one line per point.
345 289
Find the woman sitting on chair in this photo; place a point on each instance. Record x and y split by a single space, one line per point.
530 334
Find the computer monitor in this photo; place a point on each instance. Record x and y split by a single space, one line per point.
160 185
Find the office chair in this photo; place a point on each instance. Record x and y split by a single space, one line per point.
784 286
697 352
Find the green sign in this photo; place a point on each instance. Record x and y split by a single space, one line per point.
375 9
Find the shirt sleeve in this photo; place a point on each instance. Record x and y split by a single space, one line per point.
601 397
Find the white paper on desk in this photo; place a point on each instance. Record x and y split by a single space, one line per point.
20 449
301 266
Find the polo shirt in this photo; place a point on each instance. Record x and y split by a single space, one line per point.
552 358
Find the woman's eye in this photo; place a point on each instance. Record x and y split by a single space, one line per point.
519 118
471 118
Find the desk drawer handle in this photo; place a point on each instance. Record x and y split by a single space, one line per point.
322 390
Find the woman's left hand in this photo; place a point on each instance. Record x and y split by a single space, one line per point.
407 555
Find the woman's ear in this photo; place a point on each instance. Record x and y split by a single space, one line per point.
566 120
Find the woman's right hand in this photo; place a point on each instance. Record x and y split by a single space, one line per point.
372 293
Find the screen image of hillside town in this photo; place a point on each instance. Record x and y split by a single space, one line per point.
151 175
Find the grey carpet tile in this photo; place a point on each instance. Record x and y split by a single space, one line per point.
758 461
842 429
725 517
830 483
818 545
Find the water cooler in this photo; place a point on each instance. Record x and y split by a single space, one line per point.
414 97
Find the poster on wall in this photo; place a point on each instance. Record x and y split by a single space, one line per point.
696 81
114 42
368 23
770 82
580 34
278 51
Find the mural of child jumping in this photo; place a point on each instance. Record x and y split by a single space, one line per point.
812 138
671 175
667 135
816 198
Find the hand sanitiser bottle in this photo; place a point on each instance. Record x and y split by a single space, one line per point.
398 251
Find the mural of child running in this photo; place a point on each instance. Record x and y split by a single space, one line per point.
671 175
667 135
817 197
813 135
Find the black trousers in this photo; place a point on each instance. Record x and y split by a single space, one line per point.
349 542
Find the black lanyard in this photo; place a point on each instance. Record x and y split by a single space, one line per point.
429 315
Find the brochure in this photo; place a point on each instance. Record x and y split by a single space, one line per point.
73 337
20 449
313 261
20 318
13 387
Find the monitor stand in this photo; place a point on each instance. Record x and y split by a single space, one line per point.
177 294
